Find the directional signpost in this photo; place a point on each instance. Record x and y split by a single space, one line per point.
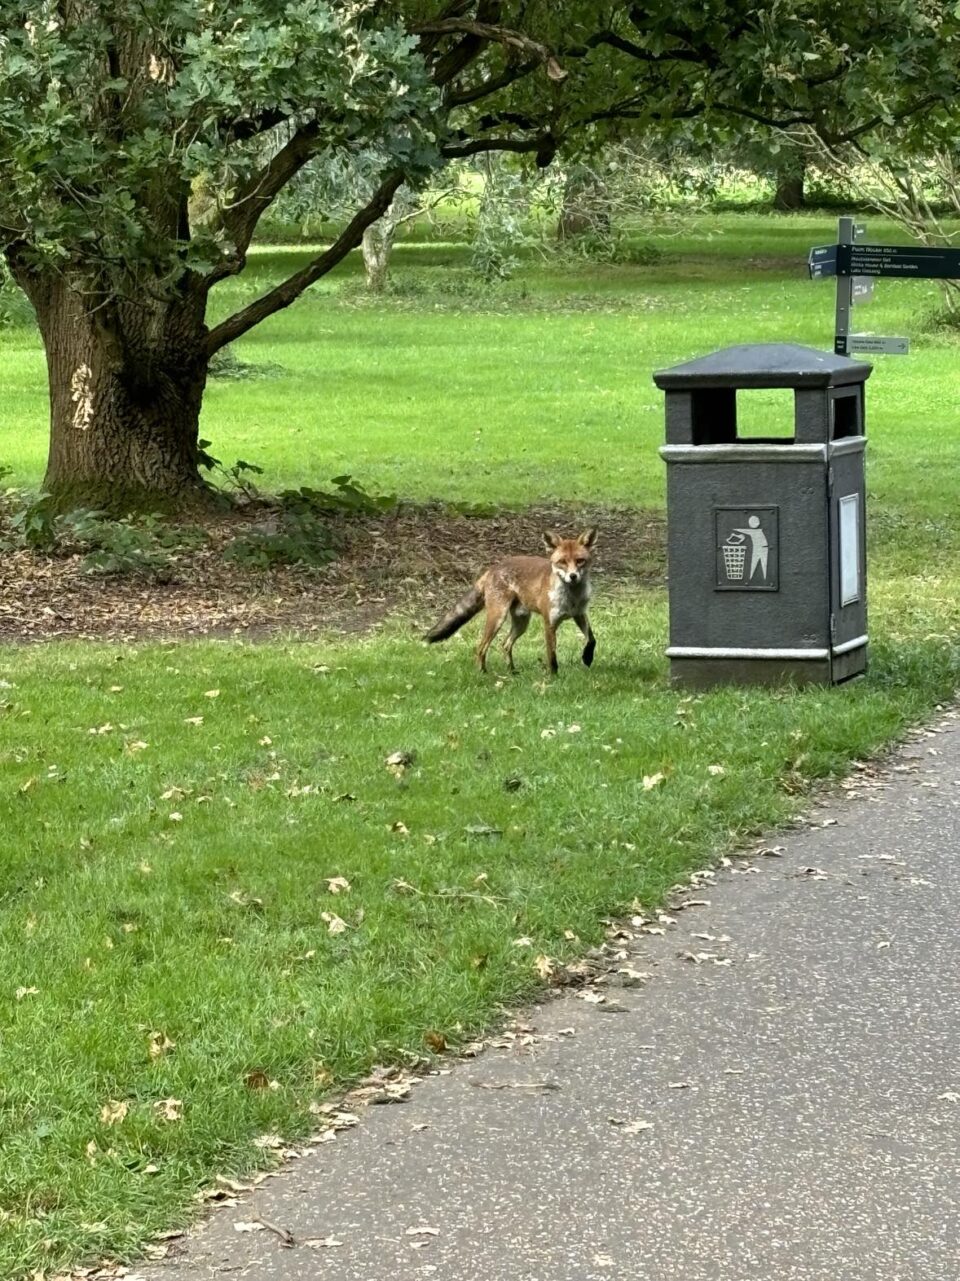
856 265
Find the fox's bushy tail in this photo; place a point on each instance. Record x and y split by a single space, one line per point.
467 607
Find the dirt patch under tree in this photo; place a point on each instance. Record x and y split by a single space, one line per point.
413 561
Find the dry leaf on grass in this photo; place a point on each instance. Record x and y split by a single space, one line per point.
169 1109
113 1112
159 1044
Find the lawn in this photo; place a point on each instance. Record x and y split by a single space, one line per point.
176 818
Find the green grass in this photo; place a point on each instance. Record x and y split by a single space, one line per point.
521 403
208 928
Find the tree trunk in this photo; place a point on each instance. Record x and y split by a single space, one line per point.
126 384
585 210
377 246
789 195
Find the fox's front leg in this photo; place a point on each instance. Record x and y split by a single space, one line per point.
550 636
590 648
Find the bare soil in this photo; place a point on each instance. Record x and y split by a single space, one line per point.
412 562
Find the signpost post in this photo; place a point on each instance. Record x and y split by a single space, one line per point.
856 265
847 231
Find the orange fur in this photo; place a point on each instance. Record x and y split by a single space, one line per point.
557 588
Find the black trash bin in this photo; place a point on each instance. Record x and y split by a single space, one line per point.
766 536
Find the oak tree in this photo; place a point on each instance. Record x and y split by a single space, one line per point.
111 110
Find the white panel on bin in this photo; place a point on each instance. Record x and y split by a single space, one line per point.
849 549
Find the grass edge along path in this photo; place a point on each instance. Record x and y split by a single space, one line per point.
184 970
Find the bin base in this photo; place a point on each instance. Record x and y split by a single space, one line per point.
701 673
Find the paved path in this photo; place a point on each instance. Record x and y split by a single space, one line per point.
803 1101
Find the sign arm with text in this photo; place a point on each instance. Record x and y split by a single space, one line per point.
856 265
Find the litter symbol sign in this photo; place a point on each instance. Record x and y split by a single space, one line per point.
747 549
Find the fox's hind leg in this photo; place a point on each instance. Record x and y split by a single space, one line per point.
497 608
590 648
519 622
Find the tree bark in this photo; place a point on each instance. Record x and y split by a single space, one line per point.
126 383
584 210
377 246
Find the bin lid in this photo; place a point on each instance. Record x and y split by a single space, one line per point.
765 365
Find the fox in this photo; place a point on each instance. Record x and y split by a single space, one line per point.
557 588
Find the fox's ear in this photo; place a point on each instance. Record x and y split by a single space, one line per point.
588 537
551 540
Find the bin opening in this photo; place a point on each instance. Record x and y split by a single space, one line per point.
845 413
723 415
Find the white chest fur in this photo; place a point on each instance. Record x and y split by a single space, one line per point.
568 600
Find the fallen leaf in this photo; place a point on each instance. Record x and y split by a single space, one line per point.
169 1109
422 1231
950 1096
540 1087
113 1113
630 1127
257 1080
232 1186
271 1141
336 884
212 693
398 762
650 781
716 770
334 923
21 992
193 720
436 1041
159 1044
321 1243
544 965
254 1226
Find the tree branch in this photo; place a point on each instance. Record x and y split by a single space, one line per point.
456 151
500 35
291 289
239 220
628 47
485 87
